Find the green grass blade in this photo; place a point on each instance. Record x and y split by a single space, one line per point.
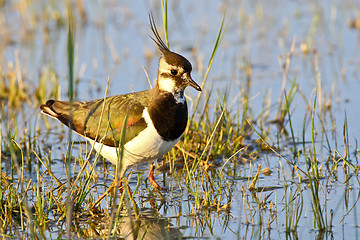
164 9
211 60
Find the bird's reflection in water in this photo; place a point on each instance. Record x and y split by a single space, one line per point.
149 225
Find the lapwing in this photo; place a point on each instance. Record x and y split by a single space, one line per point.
154 120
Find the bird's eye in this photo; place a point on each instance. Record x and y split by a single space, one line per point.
173 72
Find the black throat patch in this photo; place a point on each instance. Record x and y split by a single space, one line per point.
169 117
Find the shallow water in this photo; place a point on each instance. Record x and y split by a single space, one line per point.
257 33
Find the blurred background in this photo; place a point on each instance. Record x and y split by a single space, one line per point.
268 48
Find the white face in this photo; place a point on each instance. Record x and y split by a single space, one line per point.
168 83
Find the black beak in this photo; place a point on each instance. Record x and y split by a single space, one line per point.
192 83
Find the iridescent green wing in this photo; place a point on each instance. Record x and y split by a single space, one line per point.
106 119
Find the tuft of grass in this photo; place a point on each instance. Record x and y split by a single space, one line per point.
13 88
314 180
293 208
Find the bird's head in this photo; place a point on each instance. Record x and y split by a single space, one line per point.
174 70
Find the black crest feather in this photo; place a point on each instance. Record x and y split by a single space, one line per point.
159 42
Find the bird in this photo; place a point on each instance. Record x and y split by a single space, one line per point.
145 124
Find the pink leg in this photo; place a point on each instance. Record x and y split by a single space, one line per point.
151 177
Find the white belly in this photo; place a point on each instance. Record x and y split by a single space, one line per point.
146 146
